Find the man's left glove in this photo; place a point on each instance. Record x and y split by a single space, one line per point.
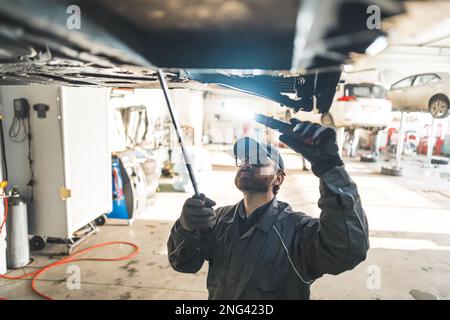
315 143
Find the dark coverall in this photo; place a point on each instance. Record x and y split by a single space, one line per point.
283 252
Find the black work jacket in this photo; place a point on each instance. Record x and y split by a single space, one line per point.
284 252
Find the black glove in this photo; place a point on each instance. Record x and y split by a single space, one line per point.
315 143
198 214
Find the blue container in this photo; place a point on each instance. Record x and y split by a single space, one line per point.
120 210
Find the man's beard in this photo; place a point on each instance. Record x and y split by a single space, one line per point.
253 182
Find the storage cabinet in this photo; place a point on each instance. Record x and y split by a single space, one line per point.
70 154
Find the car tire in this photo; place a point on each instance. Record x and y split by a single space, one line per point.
327 120
439 107
368 158
395 172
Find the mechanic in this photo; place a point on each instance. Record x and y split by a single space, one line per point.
260 248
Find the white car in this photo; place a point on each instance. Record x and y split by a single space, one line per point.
359 105
423 92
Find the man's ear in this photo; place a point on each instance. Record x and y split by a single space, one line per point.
279 178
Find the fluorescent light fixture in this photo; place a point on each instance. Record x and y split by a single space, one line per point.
244 115
348 68
377 46
240 110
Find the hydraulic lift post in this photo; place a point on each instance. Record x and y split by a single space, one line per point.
430 143
396 170
401 133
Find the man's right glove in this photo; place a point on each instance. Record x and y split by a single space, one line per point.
315 143
198 214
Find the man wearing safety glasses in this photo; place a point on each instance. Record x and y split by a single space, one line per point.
260 248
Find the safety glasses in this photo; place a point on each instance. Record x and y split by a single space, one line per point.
255 163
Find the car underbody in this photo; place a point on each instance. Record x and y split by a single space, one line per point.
252 46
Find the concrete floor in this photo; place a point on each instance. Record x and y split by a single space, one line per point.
409 220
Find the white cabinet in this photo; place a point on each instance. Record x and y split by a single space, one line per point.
2 244
70 153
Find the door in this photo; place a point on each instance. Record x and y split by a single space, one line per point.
421 89
87 159
399 93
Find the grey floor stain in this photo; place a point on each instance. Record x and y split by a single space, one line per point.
421 295
126 296
127 266
132 272
55 282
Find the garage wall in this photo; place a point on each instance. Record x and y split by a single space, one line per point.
228 116
188 105
16 153
2 208
1 168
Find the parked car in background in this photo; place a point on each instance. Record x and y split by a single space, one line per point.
422 92
359 105
355 107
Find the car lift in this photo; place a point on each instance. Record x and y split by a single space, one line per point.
396 170
431 144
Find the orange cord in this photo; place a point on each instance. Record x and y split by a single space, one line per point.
36 274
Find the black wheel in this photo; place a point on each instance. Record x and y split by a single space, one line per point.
368 158
439 107
439 160
37 243
100 220
327 120
396 172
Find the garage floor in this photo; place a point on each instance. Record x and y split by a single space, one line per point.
409 218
